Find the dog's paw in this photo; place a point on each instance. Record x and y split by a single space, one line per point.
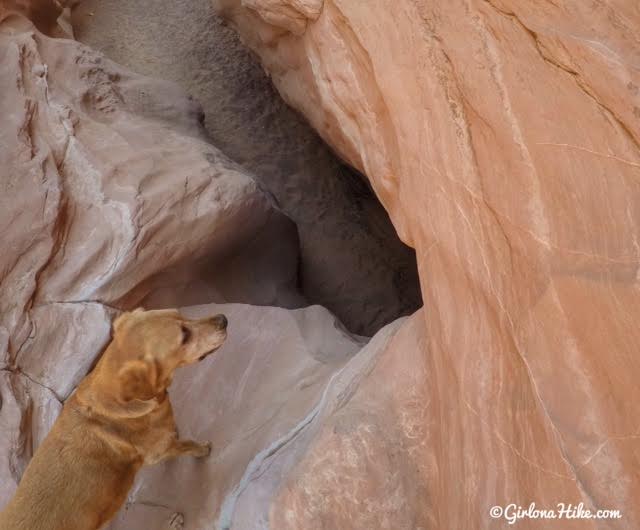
176 522
205 450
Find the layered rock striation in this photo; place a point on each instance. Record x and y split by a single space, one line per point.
503 138
110 194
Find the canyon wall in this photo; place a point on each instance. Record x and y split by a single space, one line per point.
111 197
503 138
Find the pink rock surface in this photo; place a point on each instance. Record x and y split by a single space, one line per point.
27 412
43 13
371 456
503 138
92 157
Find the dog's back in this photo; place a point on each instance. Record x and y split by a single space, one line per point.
77 480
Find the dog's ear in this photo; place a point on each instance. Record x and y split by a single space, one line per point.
122 318
138 380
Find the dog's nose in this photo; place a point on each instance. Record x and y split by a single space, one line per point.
220 321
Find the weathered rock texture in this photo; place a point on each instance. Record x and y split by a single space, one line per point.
351 260
109 192
503 137
43 13
112 196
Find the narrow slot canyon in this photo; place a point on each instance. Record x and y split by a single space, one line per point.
419 218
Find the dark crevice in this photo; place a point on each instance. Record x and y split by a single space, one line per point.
350 257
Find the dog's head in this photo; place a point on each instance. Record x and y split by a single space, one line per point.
152 344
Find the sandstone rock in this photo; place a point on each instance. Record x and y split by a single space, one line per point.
350 258
64 342
109 191
372 467
43 13
289 15
27 412
370 456
503 138
108 184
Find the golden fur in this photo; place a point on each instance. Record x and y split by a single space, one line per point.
118 420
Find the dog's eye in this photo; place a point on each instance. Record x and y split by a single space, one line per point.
186 334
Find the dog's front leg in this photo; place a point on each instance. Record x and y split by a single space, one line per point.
187 447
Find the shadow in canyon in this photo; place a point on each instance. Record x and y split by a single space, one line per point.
350 258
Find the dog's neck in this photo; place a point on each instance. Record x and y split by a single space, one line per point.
108 406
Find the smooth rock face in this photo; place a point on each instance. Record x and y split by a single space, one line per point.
28 410
351 260
65 340
370 456
108 183
503 137
109 193
361 447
